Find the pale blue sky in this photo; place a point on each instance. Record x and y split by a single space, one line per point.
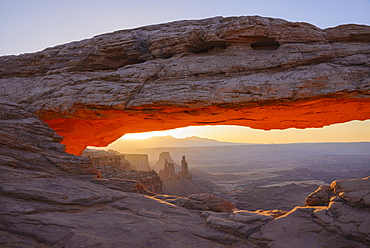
32 25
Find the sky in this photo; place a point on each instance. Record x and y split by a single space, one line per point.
33 25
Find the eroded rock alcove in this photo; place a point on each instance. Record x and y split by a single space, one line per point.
252 71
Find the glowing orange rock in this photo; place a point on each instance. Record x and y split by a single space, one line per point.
80 133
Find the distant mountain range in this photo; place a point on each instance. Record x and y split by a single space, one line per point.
168 141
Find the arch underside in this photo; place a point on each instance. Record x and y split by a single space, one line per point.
110 125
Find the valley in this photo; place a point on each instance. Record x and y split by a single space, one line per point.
264 176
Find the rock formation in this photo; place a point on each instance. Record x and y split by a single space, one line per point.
321 197
109 162
252 71
259 72
163 157
184 173
130 161
28 143
168 171
112 164
139 161
181 183
50 199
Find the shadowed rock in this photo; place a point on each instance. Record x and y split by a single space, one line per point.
321 197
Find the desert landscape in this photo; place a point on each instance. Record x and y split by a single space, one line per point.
260 72
262 176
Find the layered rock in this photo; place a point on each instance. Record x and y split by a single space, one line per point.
112 164
260 72
343 223
321 197
253 71
85 214
28 143
280 197
109 163
45 206
139 161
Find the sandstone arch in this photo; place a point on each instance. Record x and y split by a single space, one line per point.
195 73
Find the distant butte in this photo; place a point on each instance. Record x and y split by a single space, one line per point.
251 71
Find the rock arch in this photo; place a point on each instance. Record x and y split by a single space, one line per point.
203 72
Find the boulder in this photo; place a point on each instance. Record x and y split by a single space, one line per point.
321 197
355 192
214 203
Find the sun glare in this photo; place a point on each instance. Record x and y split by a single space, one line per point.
354 131
146 135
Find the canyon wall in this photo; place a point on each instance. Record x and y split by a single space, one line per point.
112 164
139 161
252 71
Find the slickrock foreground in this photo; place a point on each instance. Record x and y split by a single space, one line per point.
51 199
253 71
261 72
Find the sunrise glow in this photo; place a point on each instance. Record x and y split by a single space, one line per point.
354 131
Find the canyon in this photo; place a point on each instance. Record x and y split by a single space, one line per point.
252 71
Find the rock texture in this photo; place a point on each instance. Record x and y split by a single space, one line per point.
203 201
255 71
108 164
112 164
280 197
28 143
252 71
321 197
45 202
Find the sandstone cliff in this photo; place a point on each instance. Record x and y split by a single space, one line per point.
112 164
107 162
253 71
139 161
